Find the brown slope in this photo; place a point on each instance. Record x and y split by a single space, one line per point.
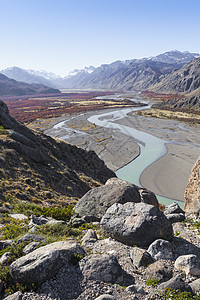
36 167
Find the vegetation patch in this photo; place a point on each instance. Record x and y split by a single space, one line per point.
177 295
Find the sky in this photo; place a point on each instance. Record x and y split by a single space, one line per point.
62 35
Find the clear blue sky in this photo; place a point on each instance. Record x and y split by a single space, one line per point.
62 35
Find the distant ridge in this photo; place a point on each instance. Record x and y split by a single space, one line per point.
11 87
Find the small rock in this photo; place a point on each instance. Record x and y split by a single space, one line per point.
158 270
101 267
195 286
30 247
190 264
105 297
43 220
15 296
5 243
175 283
5 258
18 216
140 257
160 249
90 236
173 208
31 237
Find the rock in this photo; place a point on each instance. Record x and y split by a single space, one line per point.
96 201
192 192
175 283
140 257
135 224
44 263
31 237
148 197
15 296
5 243
4 259
160 249
173 208
89 237
190 264
195 286
30 247
77 221
43 220
174 218
4 209
158 270
18 216
101 267
105 297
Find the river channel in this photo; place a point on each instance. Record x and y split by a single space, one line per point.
151 147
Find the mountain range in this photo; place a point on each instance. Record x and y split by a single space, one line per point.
119 75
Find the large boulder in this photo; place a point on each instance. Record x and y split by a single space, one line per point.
192 192
175 283
135 224
96 201
43 263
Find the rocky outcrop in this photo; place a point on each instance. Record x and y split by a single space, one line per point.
43 263
192 192
95 202
135 224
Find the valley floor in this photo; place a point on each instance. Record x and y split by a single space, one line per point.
167 177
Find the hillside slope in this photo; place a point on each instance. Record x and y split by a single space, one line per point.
11 87
36 167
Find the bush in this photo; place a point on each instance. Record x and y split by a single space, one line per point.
177 295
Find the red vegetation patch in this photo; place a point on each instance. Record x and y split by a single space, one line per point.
161 97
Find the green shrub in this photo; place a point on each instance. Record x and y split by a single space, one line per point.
177 295
58 213
152 282
12 228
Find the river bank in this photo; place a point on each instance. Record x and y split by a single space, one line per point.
167 177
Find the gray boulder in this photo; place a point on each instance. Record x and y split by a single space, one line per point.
158 270
95 202
135 224
44 263
15 296
190 264
89 238
101 267
175 283
140 257
161 249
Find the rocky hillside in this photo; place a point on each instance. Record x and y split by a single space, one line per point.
35 167
192 192
185 80
11 87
